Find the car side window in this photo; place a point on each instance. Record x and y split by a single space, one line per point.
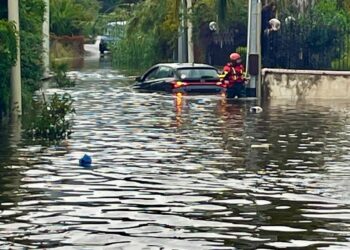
165 72
151 75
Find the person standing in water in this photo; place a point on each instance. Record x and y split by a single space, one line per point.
233 73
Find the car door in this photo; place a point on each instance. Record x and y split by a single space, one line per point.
164 78
149 78
158 79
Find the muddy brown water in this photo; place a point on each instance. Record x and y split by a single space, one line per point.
179 172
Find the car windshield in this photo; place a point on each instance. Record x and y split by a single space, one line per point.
197 73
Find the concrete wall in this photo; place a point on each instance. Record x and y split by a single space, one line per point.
66 46
305 84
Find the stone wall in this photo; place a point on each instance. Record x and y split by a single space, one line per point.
305 84
66 46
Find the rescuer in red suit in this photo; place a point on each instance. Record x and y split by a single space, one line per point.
233 74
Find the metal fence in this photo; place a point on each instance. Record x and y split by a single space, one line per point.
297 45
221 45
318 47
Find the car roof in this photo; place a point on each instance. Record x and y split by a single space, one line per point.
184 65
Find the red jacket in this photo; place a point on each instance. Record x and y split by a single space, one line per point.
234 74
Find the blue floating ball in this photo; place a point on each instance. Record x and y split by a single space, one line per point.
85 161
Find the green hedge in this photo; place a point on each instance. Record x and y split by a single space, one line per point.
8 53
31 26
31 40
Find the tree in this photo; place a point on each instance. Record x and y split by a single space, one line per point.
158 23
72 17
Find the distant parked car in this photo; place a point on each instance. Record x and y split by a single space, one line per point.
181 77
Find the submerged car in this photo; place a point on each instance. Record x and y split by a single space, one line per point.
181 78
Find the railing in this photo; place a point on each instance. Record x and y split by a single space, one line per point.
309 43
306 47
221 45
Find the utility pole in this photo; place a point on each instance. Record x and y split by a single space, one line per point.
182 55
190 50
46 39
254 46
16 88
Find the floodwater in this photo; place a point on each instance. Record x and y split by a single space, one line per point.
179 172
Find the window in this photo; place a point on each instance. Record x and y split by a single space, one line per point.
198 73
165 72
159 72
151 75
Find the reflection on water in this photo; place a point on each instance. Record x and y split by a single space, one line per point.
180 172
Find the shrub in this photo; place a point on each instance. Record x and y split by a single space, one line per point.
8 53
50 120
137 50
61 78
31 20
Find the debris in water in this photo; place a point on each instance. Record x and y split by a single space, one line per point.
85 161
256 109
261 146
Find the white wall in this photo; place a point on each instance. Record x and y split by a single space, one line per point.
303 84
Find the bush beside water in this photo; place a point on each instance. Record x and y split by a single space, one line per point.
8 53
51 117
61 78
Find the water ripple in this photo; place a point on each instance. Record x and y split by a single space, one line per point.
180 172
